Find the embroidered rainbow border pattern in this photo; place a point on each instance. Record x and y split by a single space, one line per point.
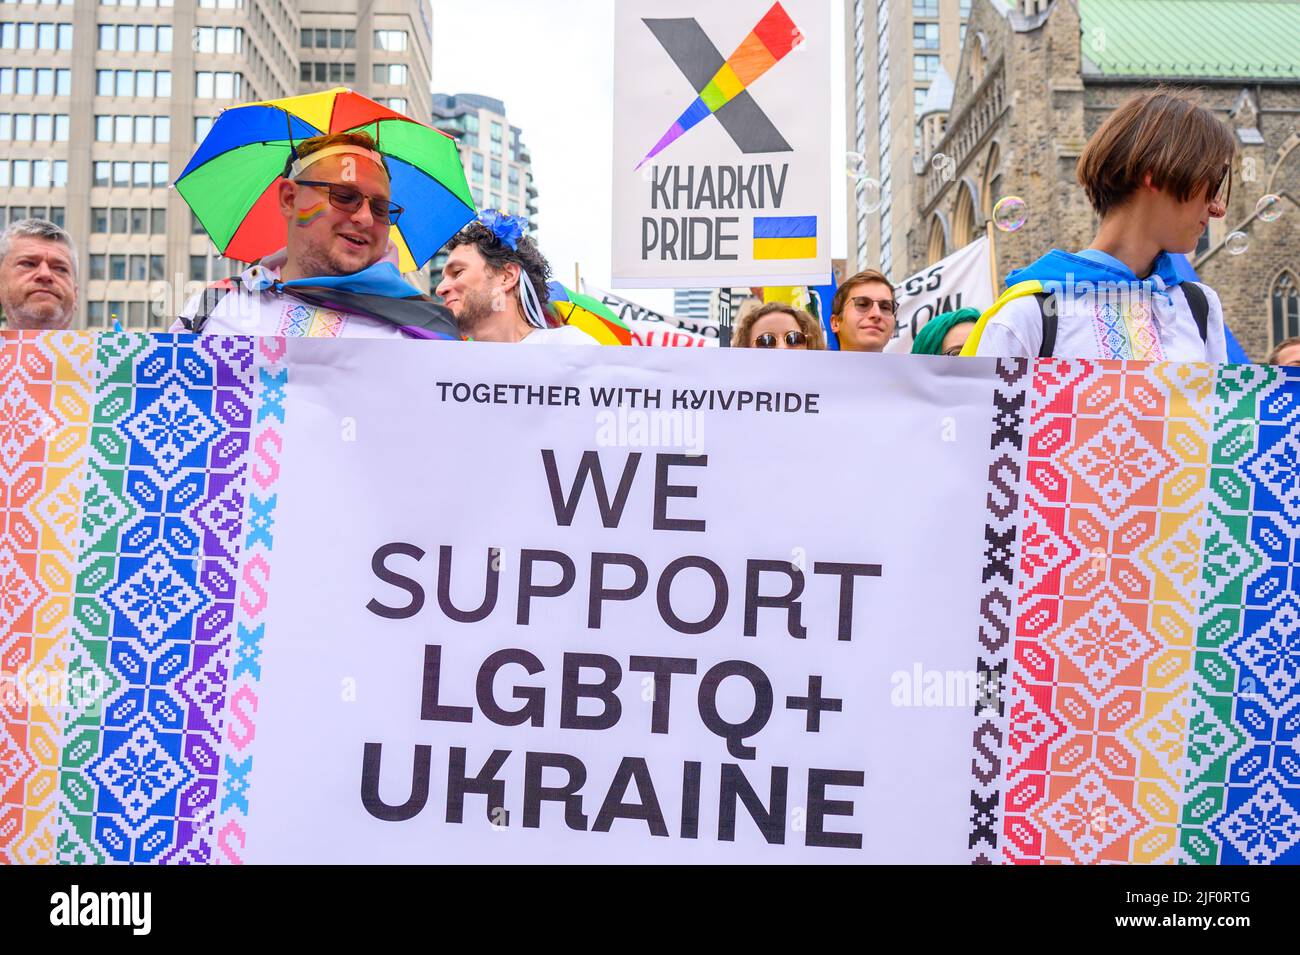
1140 606
1145 522
137 478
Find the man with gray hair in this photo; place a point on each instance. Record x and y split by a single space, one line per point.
38 276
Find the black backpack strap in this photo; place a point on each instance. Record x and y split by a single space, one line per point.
209 300
1049 323
1200 307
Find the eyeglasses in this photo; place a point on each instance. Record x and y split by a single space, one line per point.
792 340
1222 192
863 304
348 199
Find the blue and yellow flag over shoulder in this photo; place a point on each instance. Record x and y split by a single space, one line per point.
1019 290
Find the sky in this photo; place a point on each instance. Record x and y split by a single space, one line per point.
552 63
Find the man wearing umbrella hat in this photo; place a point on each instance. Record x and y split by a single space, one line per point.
331 279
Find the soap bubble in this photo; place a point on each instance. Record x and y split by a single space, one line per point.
868 194
1009 214
1237 243
1269 208
938 160
856 165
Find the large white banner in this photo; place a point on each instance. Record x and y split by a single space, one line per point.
562 629
962 280
721 143
307 600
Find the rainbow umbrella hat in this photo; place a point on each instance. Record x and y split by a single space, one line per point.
231 180
587 314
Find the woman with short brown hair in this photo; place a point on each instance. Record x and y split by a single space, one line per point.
1156 171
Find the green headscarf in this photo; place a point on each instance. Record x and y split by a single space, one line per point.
929 340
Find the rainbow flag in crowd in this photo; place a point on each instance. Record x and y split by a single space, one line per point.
588 314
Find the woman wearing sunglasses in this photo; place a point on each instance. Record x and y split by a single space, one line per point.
1156 172
777 325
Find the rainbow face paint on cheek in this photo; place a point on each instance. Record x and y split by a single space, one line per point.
309 215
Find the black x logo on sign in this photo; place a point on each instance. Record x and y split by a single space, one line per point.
699 60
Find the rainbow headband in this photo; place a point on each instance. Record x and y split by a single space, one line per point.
300 164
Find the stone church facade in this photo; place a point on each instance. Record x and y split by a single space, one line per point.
1038 78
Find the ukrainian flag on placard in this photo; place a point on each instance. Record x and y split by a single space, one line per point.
785 237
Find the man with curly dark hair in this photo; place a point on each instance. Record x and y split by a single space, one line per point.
494 282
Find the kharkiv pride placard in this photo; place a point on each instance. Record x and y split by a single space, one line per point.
722 138
307 600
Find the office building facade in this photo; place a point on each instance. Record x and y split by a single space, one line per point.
105 102
894 50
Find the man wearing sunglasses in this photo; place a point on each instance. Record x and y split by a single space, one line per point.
863 310
335 201
1155 172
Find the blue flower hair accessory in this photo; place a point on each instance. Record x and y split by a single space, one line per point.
508 229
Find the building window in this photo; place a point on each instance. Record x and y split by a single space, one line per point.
924 66
496 169
394 41
323 39
918 98
35 36
128 38
132 129
964 8
33 174
219 40
218 85
925 8
34 128
201 126
117 268
396 103
390 74
925 36
1286 308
